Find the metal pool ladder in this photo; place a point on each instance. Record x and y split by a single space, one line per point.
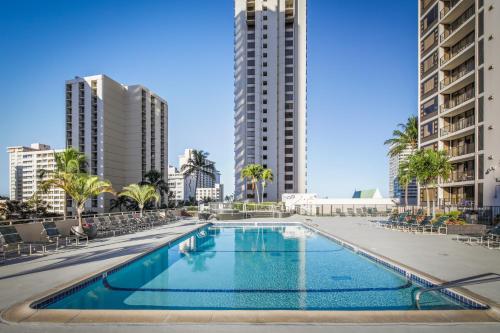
470 280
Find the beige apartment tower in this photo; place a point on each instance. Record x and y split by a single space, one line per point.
459 97
270 94
121 129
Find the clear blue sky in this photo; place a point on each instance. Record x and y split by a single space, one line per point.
362 76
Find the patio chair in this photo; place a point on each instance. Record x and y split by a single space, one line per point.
350 212
488 238
11 241
360 212
340 212
419 226
51 235
79 235
438 226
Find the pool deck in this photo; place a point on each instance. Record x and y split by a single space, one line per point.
438 256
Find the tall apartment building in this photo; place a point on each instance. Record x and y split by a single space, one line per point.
270 94
25 176
121 129
395 190
459 96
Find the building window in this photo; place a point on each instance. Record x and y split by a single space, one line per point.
288 142
481 80
288 177
429 108
429 64
429 42
480 24
480 138
429 87
288 186
429 20
480 104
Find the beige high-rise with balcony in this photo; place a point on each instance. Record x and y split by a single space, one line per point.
121 129
459 96
270 94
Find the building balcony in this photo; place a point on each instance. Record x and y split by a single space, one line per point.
458 104
458 80
458 29
461 176
458 127
429 137
460 150
458 53
453 9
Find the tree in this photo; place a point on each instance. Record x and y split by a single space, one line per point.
198 165
429 166
405 177
267 176
142 194
155 178
81 187
253 173
404 137
68 162
121 203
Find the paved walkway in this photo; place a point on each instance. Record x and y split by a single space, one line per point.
436 255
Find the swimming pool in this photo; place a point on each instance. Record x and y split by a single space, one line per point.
253 267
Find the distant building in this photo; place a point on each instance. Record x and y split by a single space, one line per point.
25 166
183 186
215 193
396 191
367 194
122 130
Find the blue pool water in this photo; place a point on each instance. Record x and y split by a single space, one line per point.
252 267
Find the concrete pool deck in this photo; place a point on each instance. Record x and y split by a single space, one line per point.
438 255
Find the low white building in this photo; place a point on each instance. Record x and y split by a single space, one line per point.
312 204
25 166
215 193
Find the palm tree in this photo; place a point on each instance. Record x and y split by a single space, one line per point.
155 178
253 173
404 137
80 187
429 166
198 165
68 162
142 194
267 176
405 177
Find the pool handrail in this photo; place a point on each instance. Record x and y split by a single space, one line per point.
467 281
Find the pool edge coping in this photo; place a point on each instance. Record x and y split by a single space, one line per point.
23 312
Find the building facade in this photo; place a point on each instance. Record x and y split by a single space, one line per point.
459 97
215 193
122 130
396 191
25 175
183 186
270 94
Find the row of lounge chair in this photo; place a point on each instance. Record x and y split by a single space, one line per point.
128 223
415 223
50 237
11 242
423 224
374 212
